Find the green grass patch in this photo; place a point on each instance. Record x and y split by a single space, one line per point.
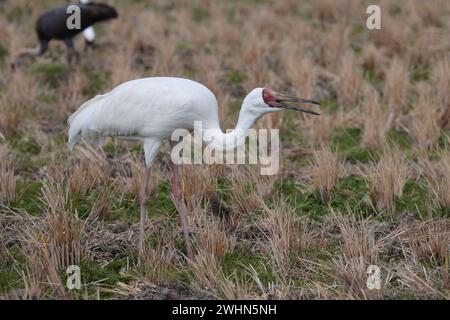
223 188
99 80
29 196
83 203
420 73
25 146
371 77
237 262
163 203
400 139
349 193
51 73
348 143
413 199
3 52
93 274
111 149
290 132
200 14
444 140
126 208
10 277
48 97
329 106
235 77
395 10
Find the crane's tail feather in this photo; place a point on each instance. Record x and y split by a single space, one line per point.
79 122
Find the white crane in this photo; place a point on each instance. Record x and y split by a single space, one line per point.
150 109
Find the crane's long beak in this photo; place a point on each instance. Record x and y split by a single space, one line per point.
285 101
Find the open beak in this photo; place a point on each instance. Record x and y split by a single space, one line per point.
289 103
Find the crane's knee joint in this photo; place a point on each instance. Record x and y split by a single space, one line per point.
176 194
143 199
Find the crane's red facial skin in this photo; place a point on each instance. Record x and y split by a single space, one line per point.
269 97
277 100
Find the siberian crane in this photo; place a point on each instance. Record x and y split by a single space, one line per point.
150 109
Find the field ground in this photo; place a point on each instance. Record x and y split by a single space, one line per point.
366 183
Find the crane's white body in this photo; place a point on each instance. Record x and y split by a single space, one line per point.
150 109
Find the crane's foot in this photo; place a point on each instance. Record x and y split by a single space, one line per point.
73 57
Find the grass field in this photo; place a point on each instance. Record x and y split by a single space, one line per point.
366 183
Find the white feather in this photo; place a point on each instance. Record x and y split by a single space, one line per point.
89 34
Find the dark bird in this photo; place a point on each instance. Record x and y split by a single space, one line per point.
52 24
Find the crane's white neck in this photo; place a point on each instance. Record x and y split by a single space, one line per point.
220 141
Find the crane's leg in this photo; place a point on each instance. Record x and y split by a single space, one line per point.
29 53
177 197
42 47
151 148
89 45
143 200
72 53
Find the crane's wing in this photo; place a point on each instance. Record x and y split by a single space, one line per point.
143 108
